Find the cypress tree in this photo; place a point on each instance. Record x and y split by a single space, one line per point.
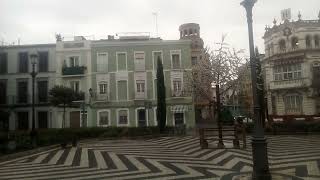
161 97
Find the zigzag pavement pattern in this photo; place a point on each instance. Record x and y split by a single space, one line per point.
296 157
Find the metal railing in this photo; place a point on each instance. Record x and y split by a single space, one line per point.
75 70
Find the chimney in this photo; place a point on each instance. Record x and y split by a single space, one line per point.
110 37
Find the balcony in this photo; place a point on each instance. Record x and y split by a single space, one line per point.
180 94
96 97
72 71
289 84
140 96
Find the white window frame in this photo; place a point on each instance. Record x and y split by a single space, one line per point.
174 52
137 118
118 60
106 89
155 60
184 118
73 55
173 85
144 59
106 64
75 81
118 118
117 93
296 97
109 117
144 87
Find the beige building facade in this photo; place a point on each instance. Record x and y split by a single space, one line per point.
292 60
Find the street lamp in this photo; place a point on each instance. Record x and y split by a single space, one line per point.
259 142
33 133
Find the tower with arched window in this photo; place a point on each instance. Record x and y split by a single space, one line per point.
291 63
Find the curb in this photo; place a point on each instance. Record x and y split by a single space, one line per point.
26 153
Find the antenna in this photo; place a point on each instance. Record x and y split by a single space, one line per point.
156 19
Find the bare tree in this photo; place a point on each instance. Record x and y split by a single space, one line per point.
220 68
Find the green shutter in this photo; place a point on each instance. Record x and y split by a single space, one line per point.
122 90
122 64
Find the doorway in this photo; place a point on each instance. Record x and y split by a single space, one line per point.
75 119
142 120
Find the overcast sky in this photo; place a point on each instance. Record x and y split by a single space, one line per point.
36 21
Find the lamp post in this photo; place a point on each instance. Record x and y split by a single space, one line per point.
259 143
33 133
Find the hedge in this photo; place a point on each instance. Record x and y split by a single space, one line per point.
288 127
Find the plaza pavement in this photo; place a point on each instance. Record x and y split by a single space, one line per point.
290 157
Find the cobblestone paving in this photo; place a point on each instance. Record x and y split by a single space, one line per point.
294 158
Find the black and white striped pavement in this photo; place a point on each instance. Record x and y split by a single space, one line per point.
296 157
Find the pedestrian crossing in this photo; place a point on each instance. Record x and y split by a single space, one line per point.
295 157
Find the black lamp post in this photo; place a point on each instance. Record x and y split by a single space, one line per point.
33 133
259 142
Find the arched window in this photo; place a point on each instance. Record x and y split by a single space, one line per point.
272 50
282 45
308 41
316 41
294 43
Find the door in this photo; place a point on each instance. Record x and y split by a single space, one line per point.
142 118
43 119
75 119
23 120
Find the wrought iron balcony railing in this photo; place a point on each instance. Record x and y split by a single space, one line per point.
75 70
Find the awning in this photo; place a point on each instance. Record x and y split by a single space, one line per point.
179 108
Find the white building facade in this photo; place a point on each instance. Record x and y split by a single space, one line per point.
292 60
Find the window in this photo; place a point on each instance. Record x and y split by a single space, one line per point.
102 62
294 43
177 85
123 117
75 86
272 49
43 119
308 41
22 91
23 62
282 45
175 61
3 63
316 41
140 86
122 90
74 61
178 119
156 55
194 60
122 61
3 91
42 91
142 121
43 61
103 118
293 103
139 61
287 72
103 88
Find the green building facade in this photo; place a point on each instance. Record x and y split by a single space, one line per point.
123 90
